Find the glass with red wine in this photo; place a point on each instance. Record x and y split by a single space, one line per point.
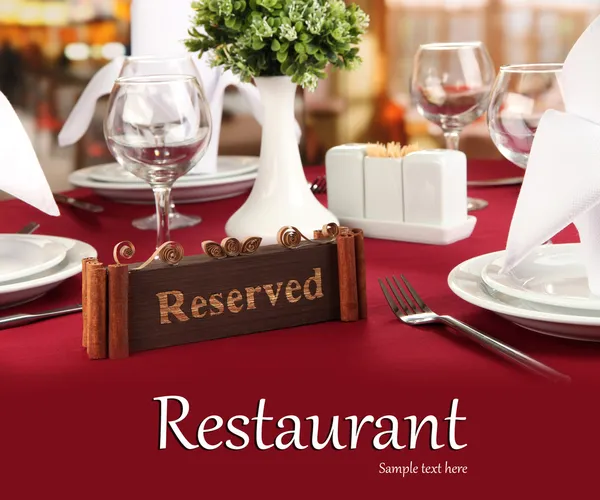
520 96
450 86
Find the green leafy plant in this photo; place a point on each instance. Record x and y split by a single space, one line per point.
297 38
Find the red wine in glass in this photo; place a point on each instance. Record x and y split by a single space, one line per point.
451 106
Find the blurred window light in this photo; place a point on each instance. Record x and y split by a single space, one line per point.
77 51
552 3
81 11
96 51
448 4
469 4
28 14
55 14
58 12
113 50
9 10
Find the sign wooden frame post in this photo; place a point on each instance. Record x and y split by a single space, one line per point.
234 288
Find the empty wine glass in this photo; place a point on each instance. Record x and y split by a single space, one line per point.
521 95
450 85
158 65
158 128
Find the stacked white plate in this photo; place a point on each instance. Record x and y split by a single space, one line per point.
548 292
234 176
31 265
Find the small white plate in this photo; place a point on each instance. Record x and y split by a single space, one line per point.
23 255
195 191
227 166
20 291
552 275
465 281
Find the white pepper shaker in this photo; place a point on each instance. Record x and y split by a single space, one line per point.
344 166
435 187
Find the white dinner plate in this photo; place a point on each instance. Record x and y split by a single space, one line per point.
22 255
552 275
227 166
18 291
194 191
465 281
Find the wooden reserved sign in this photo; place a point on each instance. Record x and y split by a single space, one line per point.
235 288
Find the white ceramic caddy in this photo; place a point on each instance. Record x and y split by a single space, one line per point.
419 198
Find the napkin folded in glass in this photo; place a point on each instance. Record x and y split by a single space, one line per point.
562 180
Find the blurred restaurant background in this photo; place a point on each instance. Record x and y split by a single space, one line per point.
49 50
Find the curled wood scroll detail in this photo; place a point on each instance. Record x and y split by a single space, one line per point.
170 253
291 237
231 247
123 249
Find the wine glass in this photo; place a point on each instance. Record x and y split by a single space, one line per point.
520 96
157 65
450 85
158 127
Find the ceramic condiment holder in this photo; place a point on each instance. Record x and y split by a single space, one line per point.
421 197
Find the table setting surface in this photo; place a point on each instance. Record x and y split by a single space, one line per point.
330 368
427 267
457 325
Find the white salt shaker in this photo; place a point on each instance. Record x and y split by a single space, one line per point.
344 166
384 197
435 187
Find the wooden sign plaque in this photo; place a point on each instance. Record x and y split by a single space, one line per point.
235 288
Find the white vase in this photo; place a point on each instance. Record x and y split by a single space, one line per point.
281 195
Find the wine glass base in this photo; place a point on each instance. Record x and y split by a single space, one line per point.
476 204
176 221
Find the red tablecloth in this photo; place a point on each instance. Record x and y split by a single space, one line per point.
73 428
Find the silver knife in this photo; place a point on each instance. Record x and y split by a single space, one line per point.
29 228
506 181
24 319
83 205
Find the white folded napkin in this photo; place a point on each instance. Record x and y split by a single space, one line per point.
82 113
158 28
562 179
21 175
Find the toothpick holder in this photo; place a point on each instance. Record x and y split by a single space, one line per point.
419 198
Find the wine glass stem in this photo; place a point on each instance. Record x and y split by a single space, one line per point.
451 137
162 197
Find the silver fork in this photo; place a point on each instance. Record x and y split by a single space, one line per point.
410 309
